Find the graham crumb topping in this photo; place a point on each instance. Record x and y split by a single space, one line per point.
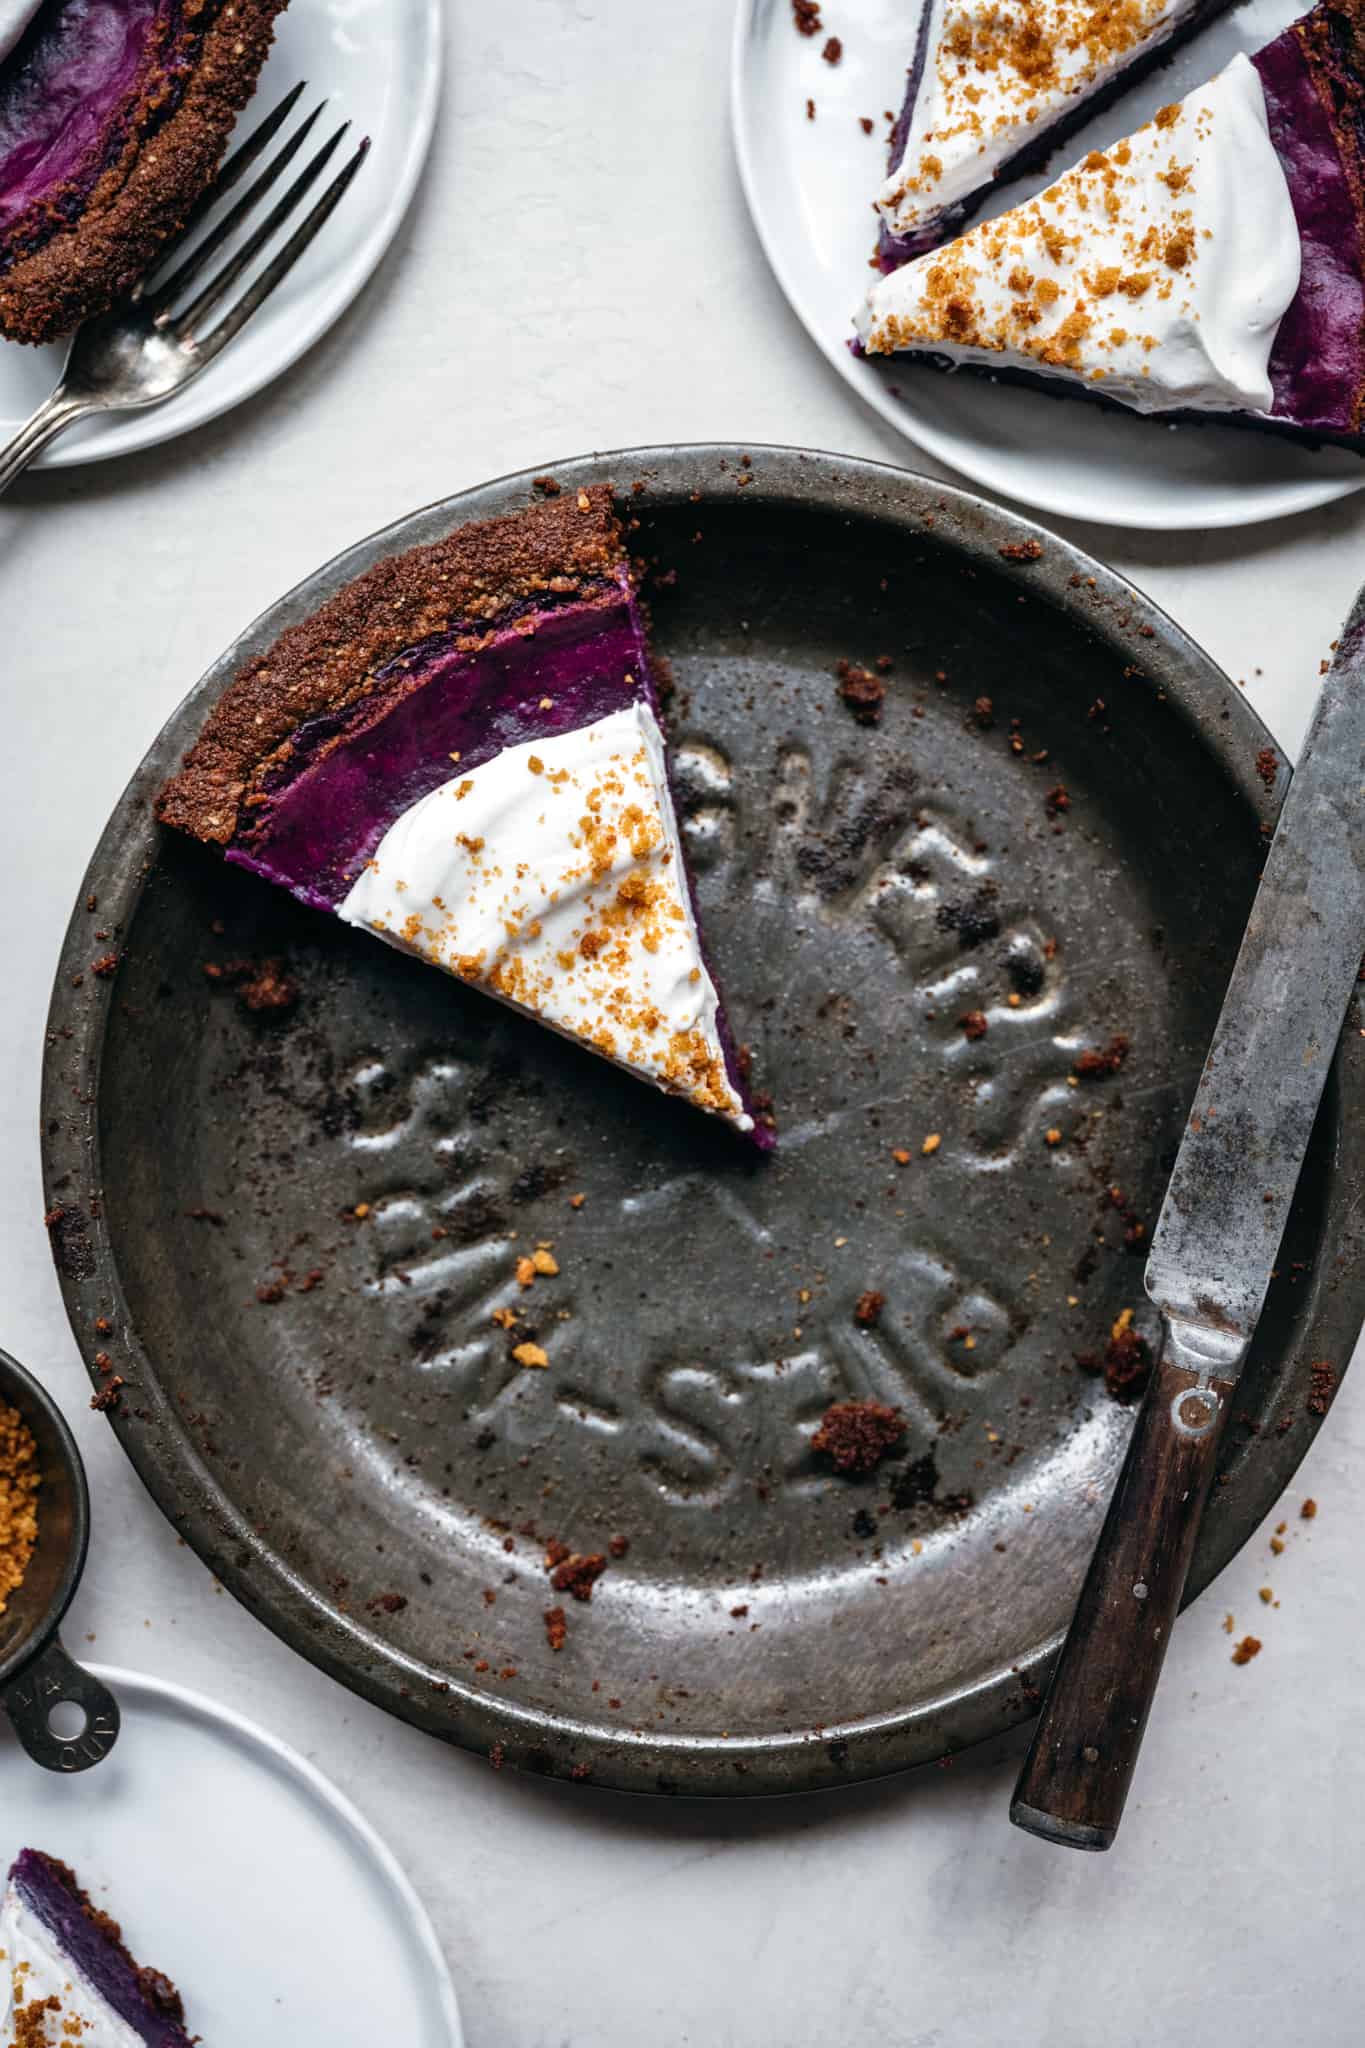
20 1477
998 68
1069 278
574 908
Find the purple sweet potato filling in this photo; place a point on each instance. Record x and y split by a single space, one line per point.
1317 366
328 811
63 93
318 829
97 1959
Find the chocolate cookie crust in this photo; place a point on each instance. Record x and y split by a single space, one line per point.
71 256
563 546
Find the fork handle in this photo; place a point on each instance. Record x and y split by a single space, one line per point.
53 417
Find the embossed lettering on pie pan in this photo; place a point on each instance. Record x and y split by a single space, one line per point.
358 1456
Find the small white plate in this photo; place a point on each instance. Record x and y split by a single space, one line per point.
810 186
378 64
236 1868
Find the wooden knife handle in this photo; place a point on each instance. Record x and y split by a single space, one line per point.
1076 1775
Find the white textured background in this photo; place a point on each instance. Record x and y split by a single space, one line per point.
579 272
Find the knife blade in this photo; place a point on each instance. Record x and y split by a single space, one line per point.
1212 1259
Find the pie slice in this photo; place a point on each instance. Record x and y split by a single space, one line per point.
65 1974
994 89
462 752
1210 264
114 115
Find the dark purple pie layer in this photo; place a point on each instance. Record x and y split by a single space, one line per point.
508 631
114 115
893 250
1313 77
352 773
143 1999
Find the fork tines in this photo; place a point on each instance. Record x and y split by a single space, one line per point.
165 299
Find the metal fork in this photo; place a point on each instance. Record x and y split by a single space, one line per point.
158 338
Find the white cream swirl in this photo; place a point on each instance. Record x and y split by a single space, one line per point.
552 876
1158 270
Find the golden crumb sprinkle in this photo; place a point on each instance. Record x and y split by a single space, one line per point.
531 1355
1030 282
563 892
20 1479
997 65
931 1144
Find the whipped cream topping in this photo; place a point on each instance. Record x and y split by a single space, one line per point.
552 876
15 16
33 1968
1159 270
997 72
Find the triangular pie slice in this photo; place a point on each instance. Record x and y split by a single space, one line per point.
995 86
114 115
463 752
1210 264
66 1976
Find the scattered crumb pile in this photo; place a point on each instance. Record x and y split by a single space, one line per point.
1126 1361
262 985
19 1481
857 1435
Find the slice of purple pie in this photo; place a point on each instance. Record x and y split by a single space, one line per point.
463 753
1212 264
66 1976
994 89
114 116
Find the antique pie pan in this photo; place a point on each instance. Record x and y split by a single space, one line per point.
356 1454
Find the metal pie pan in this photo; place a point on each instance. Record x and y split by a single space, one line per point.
1057 823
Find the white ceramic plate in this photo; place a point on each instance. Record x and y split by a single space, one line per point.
378 64
237 1869
810 186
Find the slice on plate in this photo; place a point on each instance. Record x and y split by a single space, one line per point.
1209 265
993 89
462 752
114 115
65 1974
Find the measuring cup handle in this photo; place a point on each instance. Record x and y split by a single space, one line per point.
53 1679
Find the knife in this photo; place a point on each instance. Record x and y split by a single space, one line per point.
1212 1258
